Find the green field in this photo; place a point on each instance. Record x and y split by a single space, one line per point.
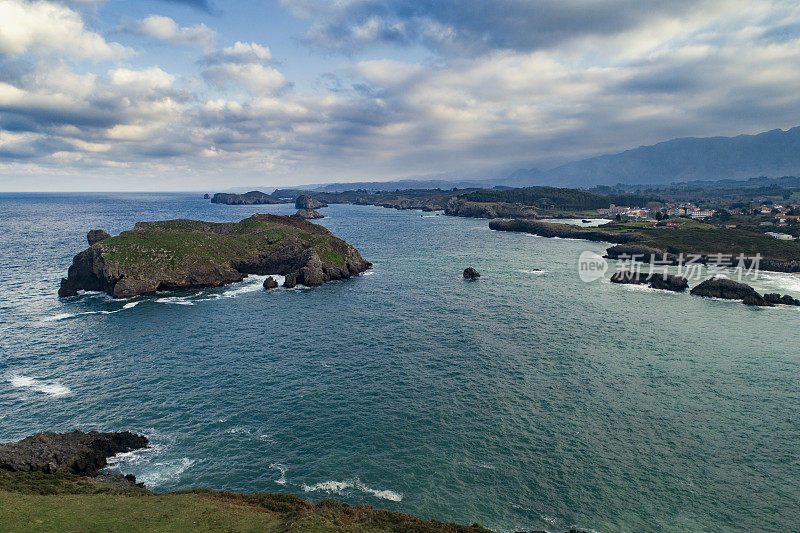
45 502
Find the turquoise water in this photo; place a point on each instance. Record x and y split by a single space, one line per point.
524 400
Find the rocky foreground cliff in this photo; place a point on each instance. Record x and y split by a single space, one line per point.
187 254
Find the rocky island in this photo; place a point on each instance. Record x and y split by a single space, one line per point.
308 214
188 254
248 198
306 201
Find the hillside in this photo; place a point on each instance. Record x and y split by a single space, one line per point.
772 153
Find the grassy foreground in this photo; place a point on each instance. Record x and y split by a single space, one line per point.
65 502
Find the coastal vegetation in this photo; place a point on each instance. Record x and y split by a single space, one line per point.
34 501
185 254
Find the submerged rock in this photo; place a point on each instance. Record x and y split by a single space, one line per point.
97 235
729 290
187 254
270 283
656 281
471 273
307 214
75 453
306 201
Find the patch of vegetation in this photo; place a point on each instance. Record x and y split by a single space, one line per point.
559 198
44 502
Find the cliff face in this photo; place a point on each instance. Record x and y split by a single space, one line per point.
248 198
74 453
306 201
186 254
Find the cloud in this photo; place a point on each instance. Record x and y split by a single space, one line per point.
49 28
254 77
243 64
233 116
455 28
167 30
240 53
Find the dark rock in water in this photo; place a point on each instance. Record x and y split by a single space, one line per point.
306 201
97 235
75 453
775 298
656 281
307 214
248 198
206 196
788 300
270 283
729 290
188 254
471 273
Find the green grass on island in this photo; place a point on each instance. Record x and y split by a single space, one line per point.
64 502
175 244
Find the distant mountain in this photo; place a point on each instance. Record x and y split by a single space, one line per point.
773 153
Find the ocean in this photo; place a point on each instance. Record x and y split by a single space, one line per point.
525 400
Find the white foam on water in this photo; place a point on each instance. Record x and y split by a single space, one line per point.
50 388
334 487
779 281
282 469
66 316
383 494
337 487
176 300
533 272
165 471
251 283
367 273
61 316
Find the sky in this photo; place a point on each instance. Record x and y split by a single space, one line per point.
100 95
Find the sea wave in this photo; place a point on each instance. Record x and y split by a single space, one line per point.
337 487
48 387
165 471
67 316
282 469
533 272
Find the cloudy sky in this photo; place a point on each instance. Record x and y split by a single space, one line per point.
205 94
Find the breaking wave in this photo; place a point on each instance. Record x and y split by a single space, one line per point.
50 388
337 487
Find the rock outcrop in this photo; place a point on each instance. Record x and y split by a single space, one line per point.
564 231
270 283
775 298
97 235
187 254
75 453
307 214
248 198
655 281
458 207
471 273
729 290
206 196
306 201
